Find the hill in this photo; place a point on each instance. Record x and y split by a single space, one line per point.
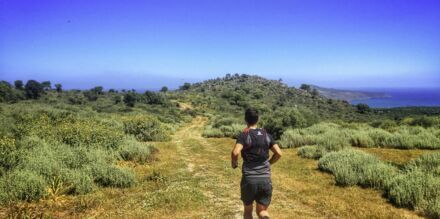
233 93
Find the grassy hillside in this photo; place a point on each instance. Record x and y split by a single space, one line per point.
109 153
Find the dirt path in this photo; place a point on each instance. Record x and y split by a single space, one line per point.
300 190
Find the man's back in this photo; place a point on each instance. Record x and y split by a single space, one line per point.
256 145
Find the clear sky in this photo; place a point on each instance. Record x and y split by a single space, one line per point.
147 44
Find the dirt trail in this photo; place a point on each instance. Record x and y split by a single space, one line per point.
208 163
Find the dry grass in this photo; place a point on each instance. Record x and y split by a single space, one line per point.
191 178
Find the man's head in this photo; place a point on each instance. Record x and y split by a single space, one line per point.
251 116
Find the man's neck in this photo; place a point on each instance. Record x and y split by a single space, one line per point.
252 126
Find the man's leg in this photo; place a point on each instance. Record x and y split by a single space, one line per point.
262 211
248 211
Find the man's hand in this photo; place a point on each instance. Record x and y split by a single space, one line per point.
234 155
276 154
234 164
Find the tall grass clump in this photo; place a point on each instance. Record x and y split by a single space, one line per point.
417 186
230 131
22 185
146 128
351 167
417 190
358 135
210 132
310 152
292 138
427 163
133 150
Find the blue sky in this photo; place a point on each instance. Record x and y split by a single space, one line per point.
147 44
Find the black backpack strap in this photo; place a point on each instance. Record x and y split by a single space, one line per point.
266 137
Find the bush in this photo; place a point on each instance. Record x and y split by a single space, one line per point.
294 138
146 128
333 141
8 153
231 131
333 137
427 163
310 152
380 137
223 121
352 167
283 119
113 176
78 182
361 139
416 190
22 185
135 151
210 132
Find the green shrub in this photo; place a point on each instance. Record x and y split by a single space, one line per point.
136 151
22 185
231 131
380 137
78 182
89 133
427 163
146 128
210 132
113 176
361 139
424 121
294 138
330 135
416 190
8 153
223 121
310 152
352 167
333 141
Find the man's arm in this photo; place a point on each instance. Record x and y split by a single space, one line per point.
234 154
276 154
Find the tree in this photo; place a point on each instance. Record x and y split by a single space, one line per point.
185 86
91 96
97 90
19 84
59 88
5 91
315 92
154 98
305 87
130 99
33 89
46 85
362 108
164 89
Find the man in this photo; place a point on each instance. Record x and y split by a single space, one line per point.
256 185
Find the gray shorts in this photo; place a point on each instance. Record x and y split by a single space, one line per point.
256 189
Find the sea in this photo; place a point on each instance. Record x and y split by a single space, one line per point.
403 97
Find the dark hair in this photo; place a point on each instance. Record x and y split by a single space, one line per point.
251 116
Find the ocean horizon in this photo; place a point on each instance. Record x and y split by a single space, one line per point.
403 97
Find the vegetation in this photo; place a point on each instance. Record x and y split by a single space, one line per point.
416 187
62 143
84 143
408 135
